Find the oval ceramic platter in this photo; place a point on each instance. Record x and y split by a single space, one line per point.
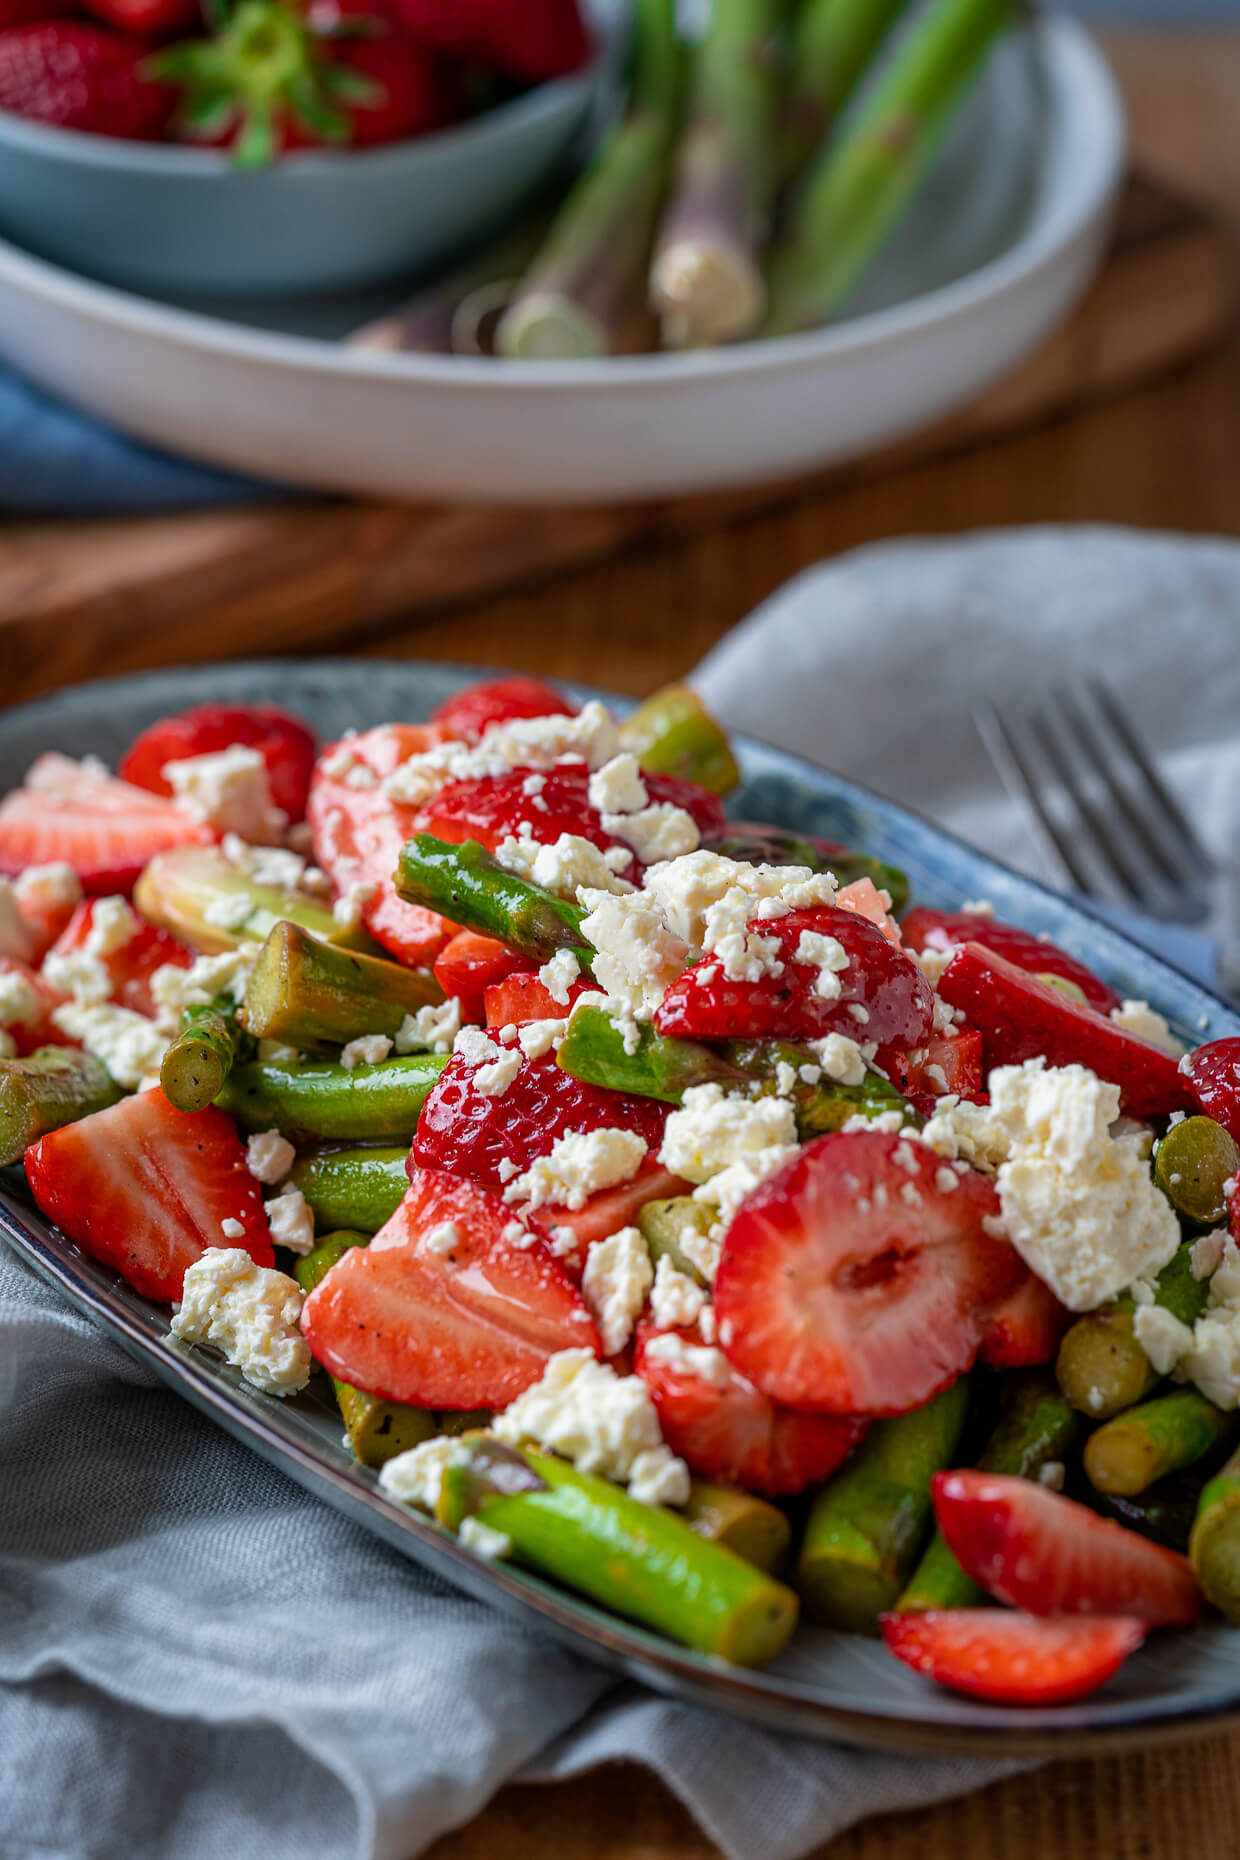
826 1685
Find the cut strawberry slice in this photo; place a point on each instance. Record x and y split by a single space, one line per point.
1037 1550
864 897
69 812
284 742
132 965
1021 1018
857 1279
605 1213
469 964
1026 1328
948 1062
725 1429
467 714
927 929
147 1189
467 1328
523 997
1212 1075
358 834
40 1029
494 1138
1014 1659
883 996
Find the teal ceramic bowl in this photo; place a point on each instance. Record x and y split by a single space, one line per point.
170 220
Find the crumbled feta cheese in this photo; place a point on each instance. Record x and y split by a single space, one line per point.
494 1069
702 1361
174 988
931 962
278 1053
580 1164
483 1541
1163 1337
659 832
79 974
978 907
274 866
415 1477
230 791
430 1029
1140 1018
786 1078
706 899
367 1050
539 1037
604 1423
558 975
350 906
20 1005
232 1229
960 1130
291 1221
638 956
1052 1474
565 867
113 924
828 956
841 1058
229 912
713 1129
617 1276
535 743
249 1313
726 1191
675 1299
1206 1254
269 1157
618 788
443 1238
43 890
130 1046
1208 1353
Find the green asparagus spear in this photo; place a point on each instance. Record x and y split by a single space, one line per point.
673 733
1159 1437
1214 1545
833 43
469 887
706 277
771 846
1038 1426
740 1521
867 1525
663 1222
1164 1513
1192 1163
444 318
378 1430
202 897
55 1085
639 1561
859 187
199 1060
357 1188
579 296
318 1099
1101 1367
303 990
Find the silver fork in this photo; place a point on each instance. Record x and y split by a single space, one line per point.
1102 814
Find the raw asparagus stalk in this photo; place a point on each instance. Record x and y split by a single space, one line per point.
378 1430
303 990
672 733
663 1223
1101 1367
54 1086
593 1050
1038 1426
201 896
1150 1441
579 296
469 887
862 183
1192 1165
743 1523
359 1189
770 846
867 1525
453 316
833 42
318 1099
1214 1545
199 1060
640 1561
706 282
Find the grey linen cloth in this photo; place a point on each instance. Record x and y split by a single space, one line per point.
200 1662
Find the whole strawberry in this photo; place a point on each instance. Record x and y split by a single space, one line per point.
152 19
532 39
81 77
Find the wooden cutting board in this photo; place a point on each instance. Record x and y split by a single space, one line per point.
80 597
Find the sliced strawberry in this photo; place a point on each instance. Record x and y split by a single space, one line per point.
461 1128
46 902
734 1433
469 964
523 997
39 1029
1212 1075
1021 1018
132 965
285 743
68 812
928 929
1014 1659
1026 1328
891 996
358 834
864 897
856 1280
605 1213
1035 1549
467 1328
467 714
146 1189
947 1062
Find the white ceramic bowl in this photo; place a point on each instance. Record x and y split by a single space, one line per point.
944 316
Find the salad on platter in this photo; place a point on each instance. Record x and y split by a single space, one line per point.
678 1210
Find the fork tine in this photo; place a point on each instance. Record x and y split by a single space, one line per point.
1127 877
1001 746
1171 810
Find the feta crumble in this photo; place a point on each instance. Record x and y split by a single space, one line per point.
430 1029
617 1277
604 1423
269 1157
232 1229
1140 1018
827 955
841 1059
483 1541
579 1165
558 975
675 1298
618 788
230 791
567 866
415 1477
702 1361
713 1129
130 1046
443 1238
369 1049
291 1220
20 1005
249 1313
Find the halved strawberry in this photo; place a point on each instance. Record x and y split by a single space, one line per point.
606 1212
467 1328
864 897
463 1129
358 834
857 1279
1014 1659
132 965
467 714
730 1431
891 997
469 964
1212 1075
69 812
1037 1550
929 929
39 1029
1021 1018
285 743
1026 1328
146 1189
523 997
947 1062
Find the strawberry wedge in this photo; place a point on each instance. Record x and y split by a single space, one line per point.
443 1309
1037 1550
927 929
1013 1659
1022 1018
1026 1328
76 814
468 714
605 1213
131 964
1212 1075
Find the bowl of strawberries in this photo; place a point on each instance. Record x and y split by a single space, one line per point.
277 147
